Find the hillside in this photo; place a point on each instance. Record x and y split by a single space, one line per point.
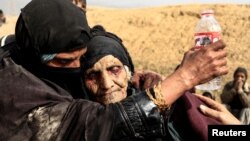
158 37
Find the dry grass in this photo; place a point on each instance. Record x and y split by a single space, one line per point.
158 37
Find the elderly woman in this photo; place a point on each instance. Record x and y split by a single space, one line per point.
236 95
108 68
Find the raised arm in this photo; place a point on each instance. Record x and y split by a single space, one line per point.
198 66
32 109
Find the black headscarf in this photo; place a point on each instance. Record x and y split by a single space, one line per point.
48 27
105 43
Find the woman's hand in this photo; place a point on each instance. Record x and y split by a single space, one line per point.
204 64
217 111
145 79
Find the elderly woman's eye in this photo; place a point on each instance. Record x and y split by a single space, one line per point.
92 76
115 70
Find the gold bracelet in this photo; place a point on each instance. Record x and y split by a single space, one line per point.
156 96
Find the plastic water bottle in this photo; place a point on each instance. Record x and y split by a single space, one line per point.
208 31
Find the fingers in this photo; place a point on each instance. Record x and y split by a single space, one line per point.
217 45
223 71
145 79
205 63
217 54
136 78
209 112
220 54
224 117
193 49
211 103
217 111
151 79
220 67
148 82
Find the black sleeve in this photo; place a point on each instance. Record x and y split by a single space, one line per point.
135 118
138 118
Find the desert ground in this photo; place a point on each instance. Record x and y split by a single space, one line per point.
157 37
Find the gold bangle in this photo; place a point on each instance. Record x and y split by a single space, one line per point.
156 96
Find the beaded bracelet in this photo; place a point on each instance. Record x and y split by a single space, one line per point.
156 96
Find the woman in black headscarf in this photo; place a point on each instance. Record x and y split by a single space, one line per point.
107 71
61 30
51 36
108 68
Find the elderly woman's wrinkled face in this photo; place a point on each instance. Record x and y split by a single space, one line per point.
107 80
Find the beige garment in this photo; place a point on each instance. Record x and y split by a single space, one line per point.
245 116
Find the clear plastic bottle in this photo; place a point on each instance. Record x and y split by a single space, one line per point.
208 31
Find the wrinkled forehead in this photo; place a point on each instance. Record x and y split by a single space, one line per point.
106 62
101 46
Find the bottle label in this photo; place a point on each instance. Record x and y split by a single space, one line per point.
206 38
